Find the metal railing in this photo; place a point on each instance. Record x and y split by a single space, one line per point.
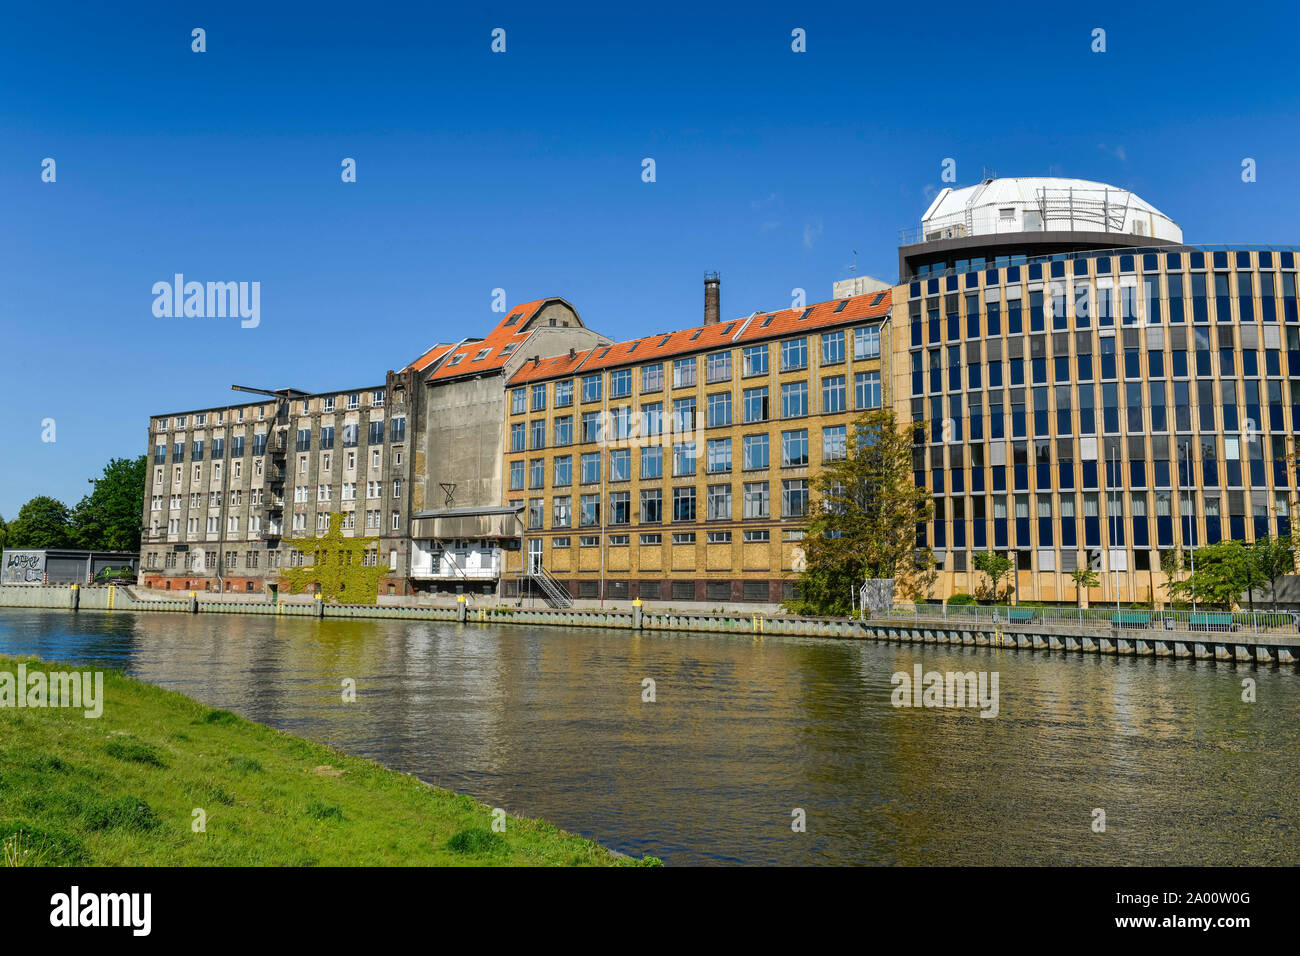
554 593
1278 623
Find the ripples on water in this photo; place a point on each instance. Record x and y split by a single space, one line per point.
549 722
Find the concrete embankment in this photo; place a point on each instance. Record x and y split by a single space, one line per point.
1241 647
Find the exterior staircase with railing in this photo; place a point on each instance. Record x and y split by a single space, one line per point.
553 592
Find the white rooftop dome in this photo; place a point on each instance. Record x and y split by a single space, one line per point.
1043 204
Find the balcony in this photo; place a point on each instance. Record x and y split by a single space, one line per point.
455 564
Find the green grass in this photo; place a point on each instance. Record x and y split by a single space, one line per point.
121 790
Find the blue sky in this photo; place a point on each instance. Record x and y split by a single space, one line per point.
522 171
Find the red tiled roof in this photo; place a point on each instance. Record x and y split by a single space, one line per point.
556 367
465 359
757 328
429 357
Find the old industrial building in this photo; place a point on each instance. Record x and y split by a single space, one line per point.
1097 390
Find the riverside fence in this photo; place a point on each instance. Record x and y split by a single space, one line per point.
1261 637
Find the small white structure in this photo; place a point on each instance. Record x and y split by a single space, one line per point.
1042 204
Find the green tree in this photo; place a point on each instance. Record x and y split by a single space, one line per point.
863 517
1172 564
1273 558
1223 573
108 519
4 532
996 567
41 523
1084 578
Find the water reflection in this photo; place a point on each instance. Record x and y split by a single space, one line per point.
550 722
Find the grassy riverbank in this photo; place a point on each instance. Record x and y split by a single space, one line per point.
122 790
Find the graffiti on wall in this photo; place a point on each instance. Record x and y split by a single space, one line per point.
23 567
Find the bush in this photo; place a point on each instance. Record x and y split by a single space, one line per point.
478 840
960 598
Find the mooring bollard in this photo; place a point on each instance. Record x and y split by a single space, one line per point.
75 598
320 606
460 608
636 615
194 602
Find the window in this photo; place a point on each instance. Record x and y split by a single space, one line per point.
537 436
652 462
354 400
652 419
867 390
620 507
563 471
794 448
794 354
564 430
591 468
564 393
832 347
794 399
536 473
652 506
684 372
719 455
718 367
536 512
377 433
684 414
794 498
684 459
684 504
620 383
833 394
754 360
350 434
398 432
561 513
620 464
866 343
834 443
516 475
754 452
591 388
517 436
718 503
719 409
756 499
589 510
652 378
755 404
591 427
539 398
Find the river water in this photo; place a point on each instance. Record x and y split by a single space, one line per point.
551 722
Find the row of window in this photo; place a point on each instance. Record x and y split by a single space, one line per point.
1237 408
754 455
1065 308
349 401
1121 521
623 423
1102 264
755 503
754 359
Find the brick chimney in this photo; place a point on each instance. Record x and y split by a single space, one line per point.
712 298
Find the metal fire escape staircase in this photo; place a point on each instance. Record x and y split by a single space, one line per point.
553 592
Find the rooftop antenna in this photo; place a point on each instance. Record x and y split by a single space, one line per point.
855 262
